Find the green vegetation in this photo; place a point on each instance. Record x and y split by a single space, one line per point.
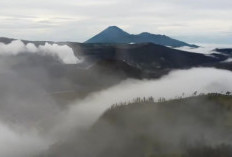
197 126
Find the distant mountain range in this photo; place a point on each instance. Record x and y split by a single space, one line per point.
145 56
114 35
140 60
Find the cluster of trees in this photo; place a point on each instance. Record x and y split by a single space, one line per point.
151 100
146 123
136 101
216 94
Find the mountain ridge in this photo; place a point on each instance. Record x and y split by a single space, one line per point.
114 34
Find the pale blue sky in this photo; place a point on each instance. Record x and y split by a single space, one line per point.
204 21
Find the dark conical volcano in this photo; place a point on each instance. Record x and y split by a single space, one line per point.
114 35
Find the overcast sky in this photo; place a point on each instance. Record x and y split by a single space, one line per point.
205 21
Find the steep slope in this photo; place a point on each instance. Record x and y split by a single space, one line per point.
198 126
114 34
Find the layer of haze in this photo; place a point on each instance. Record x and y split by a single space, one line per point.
30 121
202 80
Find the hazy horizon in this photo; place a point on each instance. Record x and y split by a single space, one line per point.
78 20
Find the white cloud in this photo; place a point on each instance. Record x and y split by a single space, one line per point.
13 48
64 52
203 80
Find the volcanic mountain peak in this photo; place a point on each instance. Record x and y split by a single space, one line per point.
114 30
114 34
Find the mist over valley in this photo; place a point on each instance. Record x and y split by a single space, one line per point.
157 83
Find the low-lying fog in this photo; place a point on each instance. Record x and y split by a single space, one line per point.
31 120
204 48
29 126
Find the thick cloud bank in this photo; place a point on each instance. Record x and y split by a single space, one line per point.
176 84
64 52
40 124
